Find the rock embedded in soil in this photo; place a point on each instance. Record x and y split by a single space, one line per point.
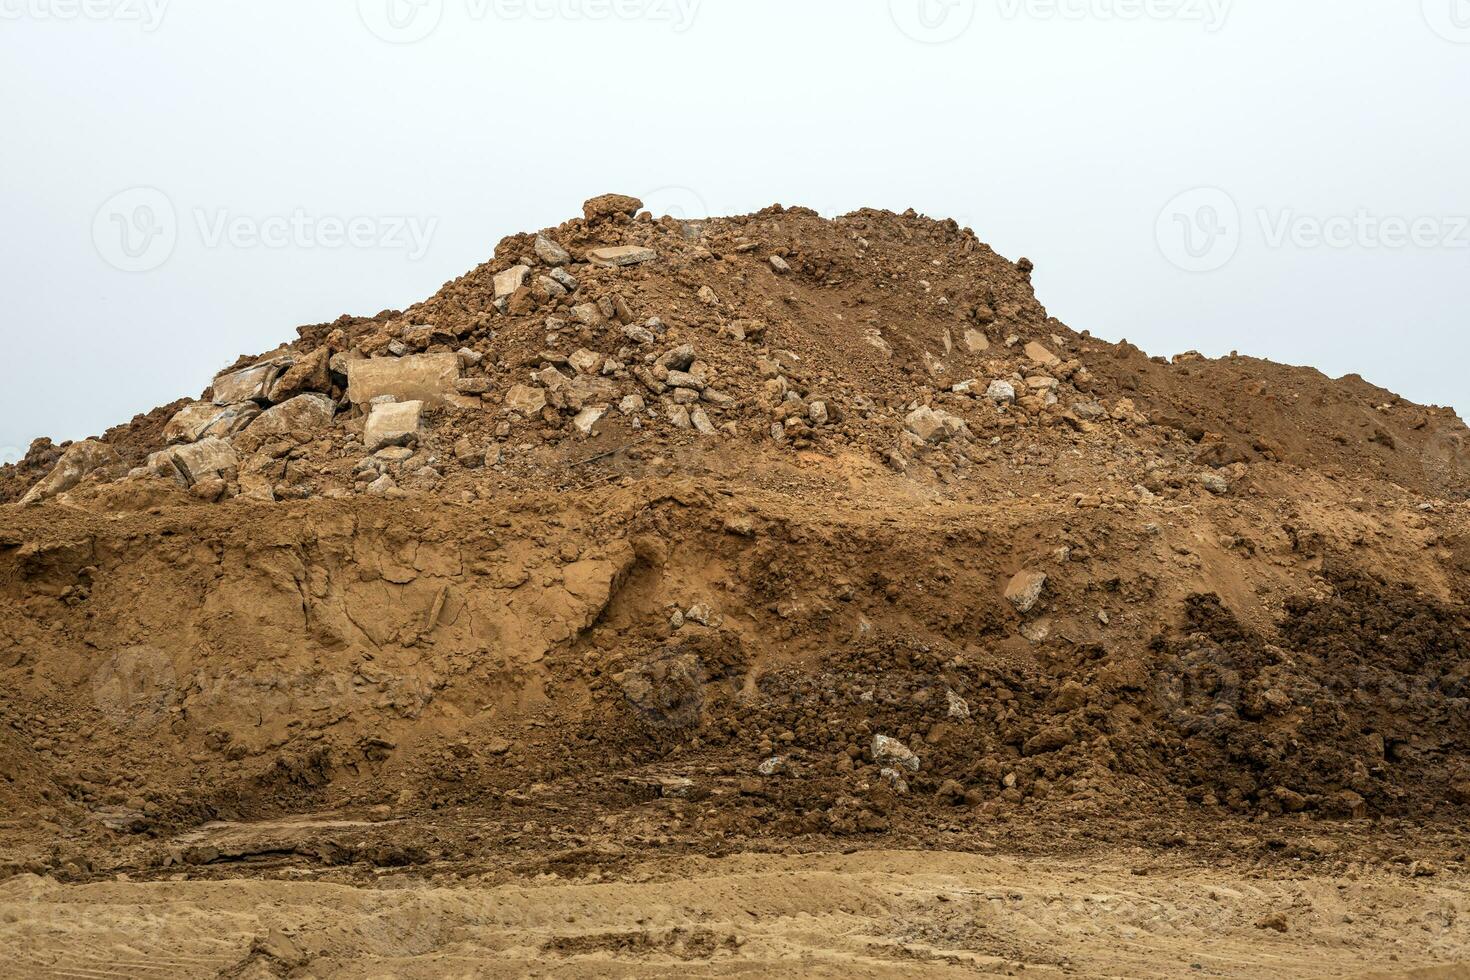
607 206
395 424
429 378
891 752
77 461
620 256
1024 590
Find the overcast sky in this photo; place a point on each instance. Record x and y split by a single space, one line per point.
188 180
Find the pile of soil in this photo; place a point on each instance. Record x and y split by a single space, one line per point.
801 528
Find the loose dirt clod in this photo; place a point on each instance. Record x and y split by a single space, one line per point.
670 541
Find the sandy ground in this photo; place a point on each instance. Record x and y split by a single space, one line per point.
875 914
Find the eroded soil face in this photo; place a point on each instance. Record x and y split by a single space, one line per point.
1144 669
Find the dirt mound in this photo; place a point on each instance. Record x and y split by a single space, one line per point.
790 528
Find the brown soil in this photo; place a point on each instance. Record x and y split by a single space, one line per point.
607 704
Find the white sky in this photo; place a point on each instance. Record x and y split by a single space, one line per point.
1063 130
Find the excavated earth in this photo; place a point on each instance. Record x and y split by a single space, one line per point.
769 595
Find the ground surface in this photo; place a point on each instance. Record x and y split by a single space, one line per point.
874 913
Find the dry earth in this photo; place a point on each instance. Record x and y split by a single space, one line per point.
767 596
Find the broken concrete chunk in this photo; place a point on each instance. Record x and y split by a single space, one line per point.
76 462
976 342
428 378
618 256
397 424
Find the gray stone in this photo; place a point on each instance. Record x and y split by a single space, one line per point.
1001 392
699 418
1214 483
893 753
637 334
566 280
550 252
780 265
682 379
